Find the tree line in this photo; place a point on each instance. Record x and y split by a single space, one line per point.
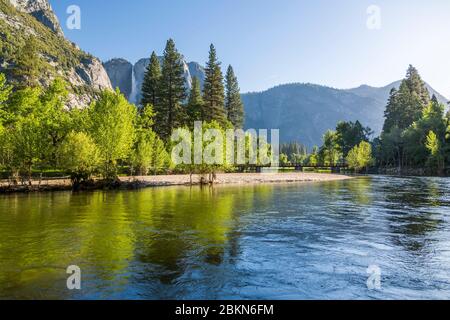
38 133
164 89
416 135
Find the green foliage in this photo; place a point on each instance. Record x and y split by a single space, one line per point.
151 86
405 105
33 53
146 117
169 111
79 156
360 157
284 160
410 116
233 103
295 152
149 153
111 126
55 120
27 142
330 153
195 107
213 90
436 159
5 92
205 158
351 134
313 158
28 64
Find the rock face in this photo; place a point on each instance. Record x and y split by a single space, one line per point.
197 71
41 10
58 57
120 72
130 81
303 112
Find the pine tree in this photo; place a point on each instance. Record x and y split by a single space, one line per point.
213 90
233 102
151 84
195 106
170 114
417 85
406 104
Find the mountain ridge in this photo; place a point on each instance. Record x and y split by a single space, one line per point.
122 77
304 111
25 20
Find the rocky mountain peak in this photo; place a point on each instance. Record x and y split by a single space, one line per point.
55 55
129 78
42 11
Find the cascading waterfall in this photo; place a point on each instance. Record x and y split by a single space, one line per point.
134 89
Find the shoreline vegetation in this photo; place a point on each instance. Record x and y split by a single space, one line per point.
138 182
95 145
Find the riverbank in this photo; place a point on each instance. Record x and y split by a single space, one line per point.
177 180
236 178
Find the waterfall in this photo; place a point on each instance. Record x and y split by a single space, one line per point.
134 88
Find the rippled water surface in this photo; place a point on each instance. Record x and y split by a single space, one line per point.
299 241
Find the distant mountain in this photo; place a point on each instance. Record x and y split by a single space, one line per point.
58 57
129 80
120 72
303 112
381 94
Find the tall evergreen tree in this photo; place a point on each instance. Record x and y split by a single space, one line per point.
151 84
417 86
195 106
213 89
170 114
233 102
405 105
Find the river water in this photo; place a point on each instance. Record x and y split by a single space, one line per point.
294 241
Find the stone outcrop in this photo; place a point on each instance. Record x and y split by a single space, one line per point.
41 10
120 72
58 56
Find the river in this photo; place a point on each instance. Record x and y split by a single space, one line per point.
281 241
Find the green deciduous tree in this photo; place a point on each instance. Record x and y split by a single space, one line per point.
233 103
360 157
111 126
55 119
146 117
330 153
436 159
149 153
432 119
5 92
28 144
79 156
351 134
313 158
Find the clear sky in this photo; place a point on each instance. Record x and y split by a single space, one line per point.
272 42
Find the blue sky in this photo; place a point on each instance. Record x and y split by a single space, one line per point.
271 42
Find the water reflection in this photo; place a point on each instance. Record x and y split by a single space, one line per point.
266 241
